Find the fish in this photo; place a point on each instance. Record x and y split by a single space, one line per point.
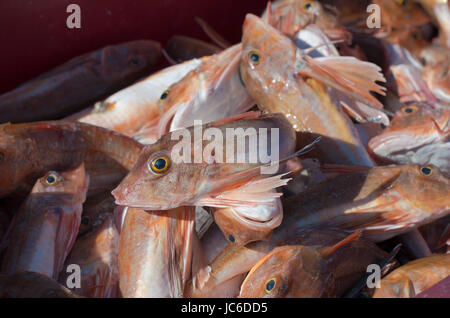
32 285
217 181
208 93
44 229
419 134
155 252
136 106
79 82
414 277
29 150
269 71
382 201
96 252
311 271
440 12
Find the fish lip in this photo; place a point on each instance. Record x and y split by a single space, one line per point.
138 205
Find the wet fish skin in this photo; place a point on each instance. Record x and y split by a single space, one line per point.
79 82
29 150
44 229
414 277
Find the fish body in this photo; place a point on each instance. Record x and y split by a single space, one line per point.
79 82
130 109
414 277
193 180
155 252
45 227
29 150
419 134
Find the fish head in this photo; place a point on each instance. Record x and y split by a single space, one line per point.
73 182
426 188
267 56
285 272
412 127
130 58
158 181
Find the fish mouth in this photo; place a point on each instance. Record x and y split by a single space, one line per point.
399 142
126 196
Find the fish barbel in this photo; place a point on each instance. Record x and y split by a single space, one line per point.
44 229
414 277
155 252
27 151
269 70
419 134
79 82
219 180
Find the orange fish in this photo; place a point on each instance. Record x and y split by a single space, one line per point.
44 229
162 181
414 277
303 271
270 68
418 134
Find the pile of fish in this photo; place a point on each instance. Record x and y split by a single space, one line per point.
94 204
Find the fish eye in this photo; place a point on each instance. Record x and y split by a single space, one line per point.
85 220
254 57
409 109
426 171
51 179
231 238
308 5
270 284
401 2
164 95
159 164
416 35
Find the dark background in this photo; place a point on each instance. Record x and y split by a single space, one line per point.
34 36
